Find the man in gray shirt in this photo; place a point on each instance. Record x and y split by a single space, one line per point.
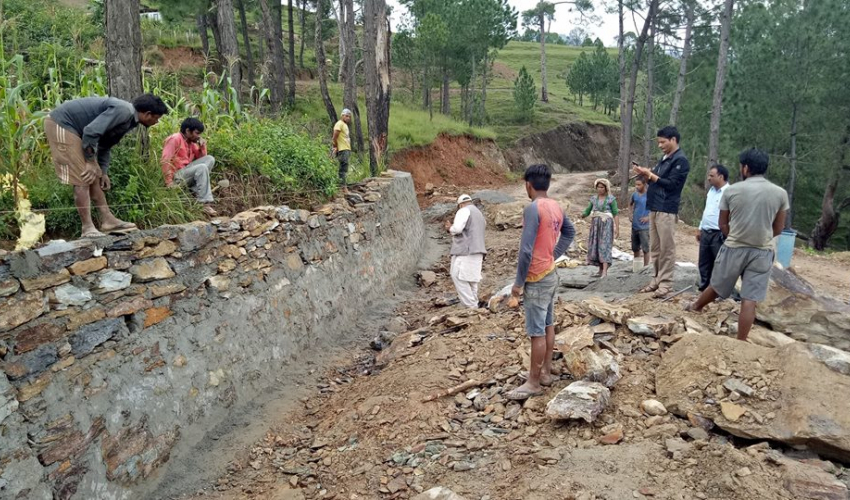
752 213
81 134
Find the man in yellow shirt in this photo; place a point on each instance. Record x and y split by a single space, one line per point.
342 144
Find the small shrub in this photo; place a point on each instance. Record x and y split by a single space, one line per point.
469 162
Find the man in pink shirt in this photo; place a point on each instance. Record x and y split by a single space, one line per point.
185 161
546 235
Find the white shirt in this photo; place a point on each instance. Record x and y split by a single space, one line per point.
461 218
711 214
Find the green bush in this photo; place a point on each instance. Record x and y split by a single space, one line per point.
292 162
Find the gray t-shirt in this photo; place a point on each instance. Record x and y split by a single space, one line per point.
753 205
99 121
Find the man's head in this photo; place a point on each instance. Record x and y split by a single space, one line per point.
753 162
192 128
150 109
464 200
718 176
537 178
640 184
668 139
346 115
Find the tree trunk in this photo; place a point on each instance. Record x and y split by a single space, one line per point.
792 180
277 71
544 91
212 22
249 54
626 115
829 218
376 65
471 97
649 123
229 45
445 103
482 116
340 21
201 21
123 48
426 89
278 27
350 75
124 54
291 24
303 18
621 61
320 61
719 82
683 66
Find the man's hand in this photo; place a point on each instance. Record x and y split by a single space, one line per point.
698 235
448 225
516 291
642 171
202 142
644 220
90 172
105 183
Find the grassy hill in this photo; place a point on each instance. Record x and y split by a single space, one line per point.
561 107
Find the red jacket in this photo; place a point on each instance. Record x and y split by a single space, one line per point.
177 153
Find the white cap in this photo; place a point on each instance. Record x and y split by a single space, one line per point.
346 111
464 198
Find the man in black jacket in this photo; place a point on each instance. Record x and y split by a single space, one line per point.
666 181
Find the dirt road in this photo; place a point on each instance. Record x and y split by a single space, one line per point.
365 432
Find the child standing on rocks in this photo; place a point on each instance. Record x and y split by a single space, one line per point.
546 235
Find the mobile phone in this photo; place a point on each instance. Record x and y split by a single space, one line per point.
635 163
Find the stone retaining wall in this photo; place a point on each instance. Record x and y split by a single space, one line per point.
114 347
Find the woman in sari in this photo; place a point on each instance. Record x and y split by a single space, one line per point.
604 226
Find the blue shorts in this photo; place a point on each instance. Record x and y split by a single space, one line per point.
539 304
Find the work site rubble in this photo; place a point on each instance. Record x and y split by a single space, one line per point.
648 402
425 415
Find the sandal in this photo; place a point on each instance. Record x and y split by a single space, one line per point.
661 293
93 233
520 394
120 228
648 289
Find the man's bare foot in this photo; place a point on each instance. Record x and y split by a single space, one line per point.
692 307
524 392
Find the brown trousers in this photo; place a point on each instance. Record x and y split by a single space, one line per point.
662 228
66 148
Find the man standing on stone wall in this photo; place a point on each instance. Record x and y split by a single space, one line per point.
342 145
752 213
666 181
81 134
468 250
710 237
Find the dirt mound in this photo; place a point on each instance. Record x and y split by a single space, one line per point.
178 58
501 70
453 160
572 147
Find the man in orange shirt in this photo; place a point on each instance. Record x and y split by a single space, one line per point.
546 235
185 161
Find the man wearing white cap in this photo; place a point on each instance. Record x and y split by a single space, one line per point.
342 144
467 250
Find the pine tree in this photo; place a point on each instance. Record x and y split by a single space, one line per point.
525 95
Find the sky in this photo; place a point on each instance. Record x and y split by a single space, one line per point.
605 28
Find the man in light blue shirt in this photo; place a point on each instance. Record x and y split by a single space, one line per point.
710 237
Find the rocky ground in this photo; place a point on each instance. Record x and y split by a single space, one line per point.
423 405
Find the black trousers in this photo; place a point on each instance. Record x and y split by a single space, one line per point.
709 246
